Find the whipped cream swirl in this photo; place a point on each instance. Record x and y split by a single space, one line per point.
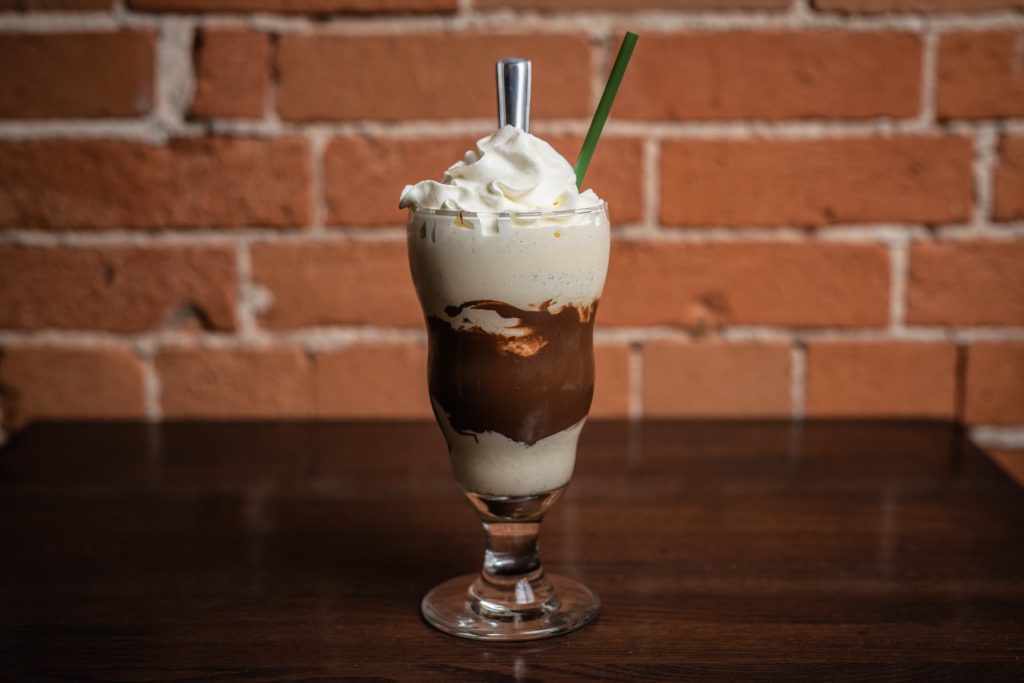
509 170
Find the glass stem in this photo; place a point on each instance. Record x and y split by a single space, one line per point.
511 551
512 585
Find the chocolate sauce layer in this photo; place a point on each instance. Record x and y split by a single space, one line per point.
527 386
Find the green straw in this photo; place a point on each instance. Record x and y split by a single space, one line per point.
604 107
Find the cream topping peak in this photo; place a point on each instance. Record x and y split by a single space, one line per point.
509 170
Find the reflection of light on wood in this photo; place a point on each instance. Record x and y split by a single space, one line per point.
887 535
257 525
635 444
796 444
570 512
154 453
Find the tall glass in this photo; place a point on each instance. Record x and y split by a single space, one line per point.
509 301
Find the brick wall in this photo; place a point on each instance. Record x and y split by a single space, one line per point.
818 205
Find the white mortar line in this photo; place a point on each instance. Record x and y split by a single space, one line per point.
898 268
319 338
985 160
876 234
650 233
507 21
748 129
245 316
143 130
512 22
151 385
652 179
992 436
57 22
327 339
635 335
267 127
929 78
778 333
634 233
317 146
906 333
798 379
888 233
153 129
175 80
747 334
971 335
340 336
998 232
199 237
365 233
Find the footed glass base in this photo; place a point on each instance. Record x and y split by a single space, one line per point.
546 605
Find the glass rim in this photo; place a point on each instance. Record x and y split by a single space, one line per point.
559 213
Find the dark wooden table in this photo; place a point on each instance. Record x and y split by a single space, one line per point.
300 551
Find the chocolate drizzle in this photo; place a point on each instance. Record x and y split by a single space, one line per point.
527 386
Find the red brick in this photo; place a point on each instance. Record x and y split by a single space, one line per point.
881 379
706 286
373 381
51 383
995 384
1009 204
980 75
882 6
336 283
716 380
386 165
221 383
966 283
121 289
232 73
190 183
773 75
616 174
53 75
425 76
572 5
611 381
815 182
62 5
296 6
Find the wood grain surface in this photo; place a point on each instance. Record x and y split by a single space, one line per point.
291 551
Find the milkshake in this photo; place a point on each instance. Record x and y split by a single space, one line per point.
509 261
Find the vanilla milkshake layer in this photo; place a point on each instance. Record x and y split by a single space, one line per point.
526 263
492 464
